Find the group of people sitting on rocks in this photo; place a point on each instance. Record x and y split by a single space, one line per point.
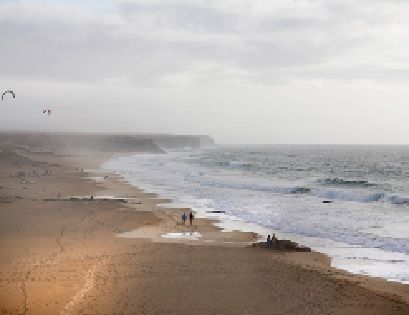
283 245
271 240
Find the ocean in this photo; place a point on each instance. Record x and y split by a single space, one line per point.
350 202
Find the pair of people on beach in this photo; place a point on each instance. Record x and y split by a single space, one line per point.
191 217
271 240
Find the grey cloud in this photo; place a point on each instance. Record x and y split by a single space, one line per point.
147 42
191 17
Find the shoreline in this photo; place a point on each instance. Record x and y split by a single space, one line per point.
319 261
70 249
356 259
228 225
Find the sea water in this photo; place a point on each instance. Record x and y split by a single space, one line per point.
363 224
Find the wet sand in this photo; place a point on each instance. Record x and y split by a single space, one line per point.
61 256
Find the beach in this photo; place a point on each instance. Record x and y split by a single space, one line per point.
65 252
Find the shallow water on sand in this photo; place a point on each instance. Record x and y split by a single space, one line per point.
193 236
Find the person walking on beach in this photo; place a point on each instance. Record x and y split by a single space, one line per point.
191 217
184 218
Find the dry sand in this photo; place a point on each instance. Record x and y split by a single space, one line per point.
60 256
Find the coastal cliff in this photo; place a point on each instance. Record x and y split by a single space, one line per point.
152 143
166 141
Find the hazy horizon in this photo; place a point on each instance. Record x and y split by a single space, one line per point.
243 72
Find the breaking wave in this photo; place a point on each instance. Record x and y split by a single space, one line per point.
344 182
333 194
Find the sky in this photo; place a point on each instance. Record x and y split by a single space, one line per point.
242 71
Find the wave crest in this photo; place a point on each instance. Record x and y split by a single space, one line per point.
343 182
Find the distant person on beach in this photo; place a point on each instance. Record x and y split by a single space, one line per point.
269 241
184 218
191 217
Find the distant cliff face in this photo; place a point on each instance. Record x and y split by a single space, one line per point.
206 140
128 143
180 141
103 143
107 143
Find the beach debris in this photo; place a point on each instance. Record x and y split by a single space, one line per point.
8 92
47 111
47 173
5 199
25 181
91 198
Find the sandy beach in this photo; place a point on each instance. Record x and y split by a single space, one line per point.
60 255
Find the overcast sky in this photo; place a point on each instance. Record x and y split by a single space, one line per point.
243 71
